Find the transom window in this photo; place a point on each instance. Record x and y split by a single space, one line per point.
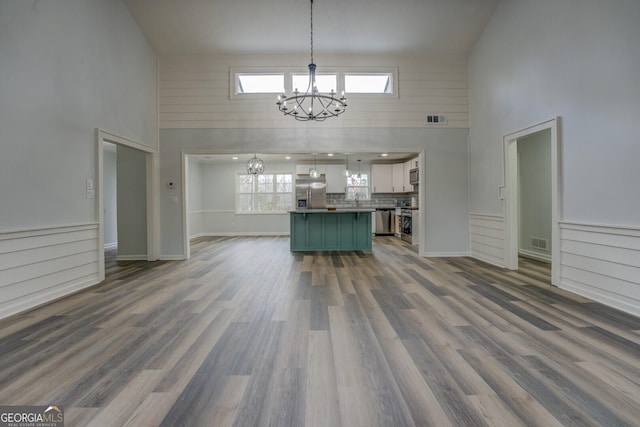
325 82
368 83
260 83
266 193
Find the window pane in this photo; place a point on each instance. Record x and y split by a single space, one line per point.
265 193
260 83
358 187
265 183
245 183
284 202
245 202
368 83
326 82
285 183
358 180
265 202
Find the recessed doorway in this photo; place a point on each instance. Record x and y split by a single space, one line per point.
546 132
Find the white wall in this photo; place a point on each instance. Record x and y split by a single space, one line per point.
444 213
217 211
132 204
194 198
577 59
67 68
110 195
195 92
445 153
534 193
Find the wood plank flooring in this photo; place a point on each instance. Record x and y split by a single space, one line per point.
246 333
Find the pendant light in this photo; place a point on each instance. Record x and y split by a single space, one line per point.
359 171
314 172
346 172
255 165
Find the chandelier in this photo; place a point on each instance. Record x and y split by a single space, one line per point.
255 165
312 105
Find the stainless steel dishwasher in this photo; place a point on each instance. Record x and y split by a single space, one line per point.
383 222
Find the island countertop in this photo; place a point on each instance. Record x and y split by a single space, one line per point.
334 211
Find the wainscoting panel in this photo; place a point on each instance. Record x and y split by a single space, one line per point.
602 263
39 265
487 238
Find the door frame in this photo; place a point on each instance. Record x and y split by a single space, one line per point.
152 167
509 193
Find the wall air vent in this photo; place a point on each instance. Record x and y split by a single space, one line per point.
541 244
436 119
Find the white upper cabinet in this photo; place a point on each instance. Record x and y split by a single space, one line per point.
382 178
306 169
388 178
336 181
398 178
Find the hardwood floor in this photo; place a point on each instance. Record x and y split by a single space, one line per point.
246 333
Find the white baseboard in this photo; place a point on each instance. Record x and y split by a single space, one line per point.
172 258
110 246
132 257
445 254
535 255
606 298
240 234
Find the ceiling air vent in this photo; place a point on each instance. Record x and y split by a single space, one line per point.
436 119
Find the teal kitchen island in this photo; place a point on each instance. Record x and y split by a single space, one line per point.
331 230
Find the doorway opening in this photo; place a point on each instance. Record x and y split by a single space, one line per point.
125 201
531 208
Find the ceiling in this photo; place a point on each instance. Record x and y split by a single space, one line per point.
372 27
448 27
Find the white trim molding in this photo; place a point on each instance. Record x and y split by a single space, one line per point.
152 190
602 262
509 193
44 264
486 238
445 254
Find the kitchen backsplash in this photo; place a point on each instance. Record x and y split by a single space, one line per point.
378 200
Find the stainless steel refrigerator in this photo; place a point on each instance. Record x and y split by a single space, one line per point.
311 193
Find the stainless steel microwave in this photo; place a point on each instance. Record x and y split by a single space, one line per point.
414 177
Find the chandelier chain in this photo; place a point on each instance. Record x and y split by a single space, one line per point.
312 31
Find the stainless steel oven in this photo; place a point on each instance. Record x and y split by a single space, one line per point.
406 225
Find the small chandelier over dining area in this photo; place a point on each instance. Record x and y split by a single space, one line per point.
255 166
311 104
